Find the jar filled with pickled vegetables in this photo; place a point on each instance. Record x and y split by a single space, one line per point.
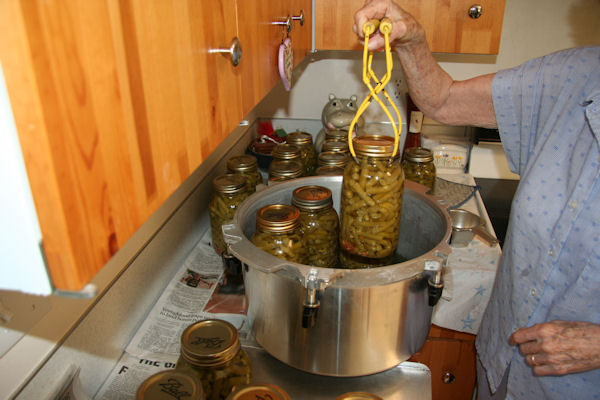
278 232
247 166
258 391
419 167
171 384
288 152
335 145
304 141
371 204
328 170
319 223
333 158
282 170
229 191
352 261
337 135
211 349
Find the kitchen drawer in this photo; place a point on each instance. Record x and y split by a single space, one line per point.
450 356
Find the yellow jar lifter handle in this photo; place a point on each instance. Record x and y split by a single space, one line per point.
385 27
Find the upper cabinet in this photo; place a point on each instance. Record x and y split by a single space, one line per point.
451 26
117 102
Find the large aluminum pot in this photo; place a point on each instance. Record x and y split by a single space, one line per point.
343 322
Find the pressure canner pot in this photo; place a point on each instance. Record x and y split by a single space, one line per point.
343 322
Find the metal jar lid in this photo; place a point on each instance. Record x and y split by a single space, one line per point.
333 158
374 145
299 138
210 342
335 145
418 154
230 183
312 197
169 385
286 151
279 218
285 169
358 396
329 170
242 163
256 391
337 134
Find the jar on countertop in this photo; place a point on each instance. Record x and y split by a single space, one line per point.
247 166
319 223
371 204
171 384
283 170
328 170
333 158
258 391
288 152
335 145
211 349
278 232
336 135
419 167
304 141
229 191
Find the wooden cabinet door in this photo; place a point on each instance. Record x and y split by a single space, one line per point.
115 103
447 24
261 38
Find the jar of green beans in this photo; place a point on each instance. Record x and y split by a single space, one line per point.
211 349
319 223
229 191
247 166
419 167
371 204
278 232
304 141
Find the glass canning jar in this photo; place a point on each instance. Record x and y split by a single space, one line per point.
304 141
419 167
282 170
337 135
171 384
371 205
211 349
247 166
319 223
278 232
333 158
335 145
229 190
259 391
327 170
288 152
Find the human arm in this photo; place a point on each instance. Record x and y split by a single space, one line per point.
559 347
436 94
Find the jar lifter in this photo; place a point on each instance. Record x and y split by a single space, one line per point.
385 27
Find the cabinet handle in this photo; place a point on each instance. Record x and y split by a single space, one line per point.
475 11
448 377
299 18
235 50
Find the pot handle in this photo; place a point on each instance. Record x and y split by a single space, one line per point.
485 235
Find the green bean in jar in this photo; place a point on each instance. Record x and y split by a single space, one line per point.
419 167
371 206
278 232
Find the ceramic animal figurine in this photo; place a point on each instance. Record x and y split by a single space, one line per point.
337 114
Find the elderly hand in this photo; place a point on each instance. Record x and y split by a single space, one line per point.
559 347
405 29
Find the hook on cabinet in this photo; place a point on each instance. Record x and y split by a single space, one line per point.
299 18
235 51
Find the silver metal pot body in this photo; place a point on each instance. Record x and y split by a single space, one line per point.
366 320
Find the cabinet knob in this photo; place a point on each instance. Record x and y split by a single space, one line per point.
475 11
235 51
448 377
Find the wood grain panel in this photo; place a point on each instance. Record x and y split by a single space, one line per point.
447 25
116 103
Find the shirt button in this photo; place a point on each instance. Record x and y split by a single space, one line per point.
573 204
551 253
533 292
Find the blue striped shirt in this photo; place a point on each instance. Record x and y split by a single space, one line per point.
548 113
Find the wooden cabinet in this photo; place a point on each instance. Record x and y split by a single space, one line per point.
451 357
117 102
447 24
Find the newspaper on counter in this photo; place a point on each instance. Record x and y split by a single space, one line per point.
196 292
